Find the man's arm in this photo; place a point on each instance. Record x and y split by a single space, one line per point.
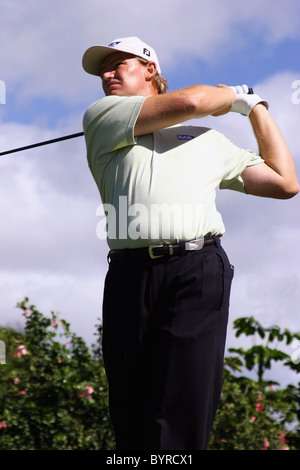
160 111
276 177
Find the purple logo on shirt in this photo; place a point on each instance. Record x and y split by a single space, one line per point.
185 137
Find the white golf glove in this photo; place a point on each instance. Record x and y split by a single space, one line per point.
244 102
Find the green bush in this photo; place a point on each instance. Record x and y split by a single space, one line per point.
257 414
53 393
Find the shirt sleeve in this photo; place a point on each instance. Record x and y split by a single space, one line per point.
235 160
109 123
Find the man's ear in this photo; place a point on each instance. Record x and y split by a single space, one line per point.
151 70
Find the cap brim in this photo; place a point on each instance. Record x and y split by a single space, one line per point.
93 57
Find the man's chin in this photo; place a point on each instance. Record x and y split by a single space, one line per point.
114 92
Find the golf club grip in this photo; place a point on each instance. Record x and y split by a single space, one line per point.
250 92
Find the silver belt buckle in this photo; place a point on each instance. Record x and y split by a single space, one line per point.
194 245
150 249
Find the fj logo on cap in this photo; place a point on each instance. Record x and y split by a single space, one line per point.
146 52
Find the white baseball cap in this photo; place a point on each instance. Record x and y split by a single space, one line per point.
93 56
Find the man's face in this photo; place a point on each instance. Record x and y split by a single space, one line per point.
123 75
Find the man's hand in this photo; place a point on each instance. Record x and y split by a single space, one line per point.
244 102
228 108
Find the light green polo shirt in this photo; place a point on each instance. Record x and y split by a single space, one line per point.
160 187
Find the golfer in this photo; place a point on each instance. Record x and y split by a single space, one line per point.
167 289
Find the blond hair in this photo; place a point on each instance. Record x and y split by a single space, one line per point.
159 82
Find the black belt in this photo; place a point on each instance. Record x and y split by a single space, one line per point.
158 251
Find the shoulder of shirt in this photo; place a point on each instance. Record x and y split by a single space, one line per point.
104 104
113 99
105 101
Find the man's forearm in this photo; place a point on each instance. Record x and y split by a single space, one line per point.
273 148
175 107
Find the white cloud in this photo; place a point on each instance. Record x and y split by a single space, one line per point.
196 27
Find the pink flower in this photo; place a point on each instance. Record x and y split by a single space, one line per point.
253 418
88 391
25 313
22 392
21 351
54 322
266 444
16 380
3 425
259 405
282 439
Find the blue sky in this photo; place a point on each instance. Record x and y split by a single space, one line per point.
49 250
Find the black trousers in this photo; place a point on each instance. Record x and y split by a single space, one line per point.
164 331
